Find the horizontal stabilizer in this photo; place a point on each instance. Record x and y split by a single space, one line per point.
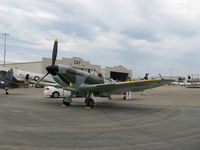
9 76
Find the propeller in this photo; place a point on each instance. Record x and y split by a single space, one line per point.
55 51
52 69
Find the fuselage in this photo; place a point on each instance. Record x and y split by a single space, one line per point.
21 75
75 76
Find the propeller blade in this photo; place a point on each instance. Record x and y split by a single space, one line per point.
64 79
40 79
55 50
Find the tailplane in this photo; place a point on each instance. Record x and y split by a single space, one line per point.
9 76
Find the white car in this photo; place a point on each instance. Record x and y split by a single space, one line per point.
55 92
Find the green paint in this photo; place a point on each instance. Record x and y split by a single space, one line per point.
68 99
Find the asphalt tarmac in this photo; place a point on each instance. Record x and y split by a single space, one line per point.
166 118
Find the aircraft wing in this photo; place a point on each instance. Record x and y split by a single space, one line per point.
119 87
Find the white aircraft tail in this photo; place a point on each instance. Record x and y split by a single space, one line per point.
9 76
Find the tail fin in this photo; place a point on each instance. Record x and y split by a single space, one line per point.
9 76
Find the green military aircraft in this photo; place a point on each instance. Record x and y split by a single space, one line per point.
86 84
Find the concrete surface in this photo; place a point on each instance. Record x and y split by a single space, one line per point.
166 118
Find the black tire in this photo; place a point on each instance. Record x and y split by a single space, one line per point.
66 103
55 94
89 102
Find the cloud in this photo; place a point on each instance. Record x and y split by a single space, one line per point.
145 36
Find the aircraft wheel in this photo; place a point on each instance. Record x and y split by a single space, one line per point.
89 102
66 103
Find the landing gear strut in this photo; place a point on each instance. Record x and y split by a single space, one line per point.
66 103
89 102
67 100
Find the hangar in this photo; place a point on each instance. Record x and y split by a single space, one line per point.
118 73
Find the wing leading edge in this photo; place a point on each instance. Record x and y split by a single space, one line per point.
134 86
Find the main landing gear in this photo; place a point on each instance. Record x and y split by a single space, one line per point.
89 102
67 100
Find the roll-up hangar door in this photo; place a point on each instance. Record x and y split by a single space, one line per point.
119 76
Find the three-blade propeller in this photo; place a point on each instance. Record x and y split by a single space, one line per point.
53 68
55 51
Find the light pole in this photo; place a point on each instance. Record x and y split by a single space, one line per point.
5 35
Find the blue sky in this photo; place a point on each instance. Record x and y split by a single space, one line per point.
143 35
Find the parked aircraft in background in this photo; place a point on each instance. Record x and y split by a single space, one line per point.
25 76
8 81
88 84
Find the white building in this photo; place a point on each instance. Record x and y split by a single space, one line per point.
119 72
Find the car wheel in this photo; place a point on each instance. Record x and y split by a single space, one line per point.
55 94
